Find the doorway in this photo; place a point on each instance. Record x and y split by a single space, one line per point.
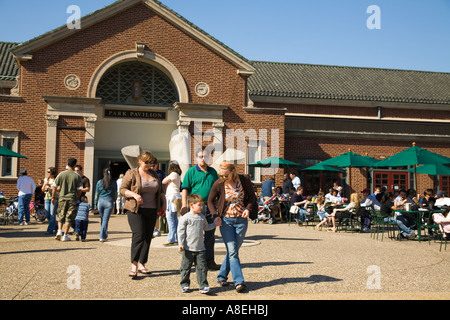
392 181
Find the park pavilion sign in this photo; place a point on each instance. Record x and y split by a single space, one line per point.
136 114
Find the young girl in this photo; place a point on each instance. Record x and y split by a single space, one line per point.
321 212
173 181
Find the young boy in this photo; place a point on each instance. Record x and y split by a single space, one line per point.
82 220
191 244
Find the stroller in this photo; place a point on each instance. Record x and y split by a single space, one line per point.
268 210
37 210
11 214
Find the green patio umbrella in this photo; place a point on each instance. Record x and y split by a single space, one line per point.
9 153
436 169
274 162
322 167
349 160
413 156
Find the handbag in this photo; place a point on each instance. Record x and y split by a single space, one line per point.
293 209
254 213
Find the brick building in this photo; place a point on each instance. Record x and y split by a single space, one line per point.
137 73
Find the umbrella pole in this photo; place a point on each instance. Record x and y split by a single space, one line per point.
415 178
349 181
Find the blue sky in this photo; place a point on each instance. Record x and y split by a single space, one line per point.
414 34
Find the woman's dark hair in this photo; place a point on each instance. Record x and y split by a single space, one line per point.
386 197
107 179
174 167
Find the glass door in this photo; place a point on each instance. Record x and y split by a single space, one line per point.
392 181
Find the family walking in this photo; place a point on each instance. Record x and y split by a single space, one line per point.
208 200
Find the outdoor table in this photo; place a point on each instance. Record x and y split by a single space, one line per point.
418 214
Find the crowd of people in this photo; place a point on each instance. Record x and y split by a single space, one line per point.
332 208
195 206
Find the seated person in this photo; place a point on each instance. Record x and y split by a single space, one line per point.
336 199
443 222
442 202
428 200
298 200
347 211
405 221
329 195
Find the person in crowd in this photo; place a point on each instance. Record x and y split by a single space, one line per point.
26 187
413 196
329 195
287 185
105 195
120 200
50 209
157 231
70 185
296 182
336 199
442 201
338 188
85 180
82 219
301 203
173 182
367 201
405 222
427 200
145 198
268 189
377 194
234 197
199 179
192 245
321 212
347 211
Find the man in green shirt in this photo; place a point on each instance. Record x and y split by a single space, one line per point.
69 185
199 179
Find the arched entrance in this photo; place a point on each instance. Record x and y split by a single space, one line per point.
138 95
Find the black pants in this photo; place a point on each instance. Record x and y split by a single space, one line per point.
142 225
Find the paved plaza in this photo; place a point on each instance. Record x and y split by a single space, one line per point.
280 262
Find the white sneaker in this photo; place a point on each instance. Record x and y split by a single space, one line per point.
204 290
156 233
65 238
185 289
58 235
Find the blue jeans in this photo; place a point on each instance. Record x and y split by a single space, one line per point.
24 207
233 232
105 207
50 214
301 215
405 223
81 227
172 221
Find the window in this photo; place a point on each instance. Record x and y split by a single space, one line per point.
136 83
444 184
9 164
253 155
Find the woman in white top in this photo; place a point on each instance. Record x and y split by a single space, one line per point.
173 181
